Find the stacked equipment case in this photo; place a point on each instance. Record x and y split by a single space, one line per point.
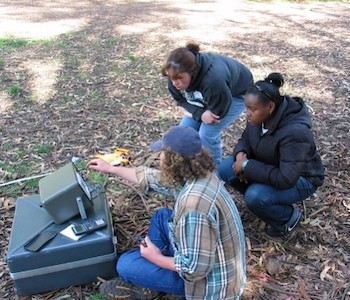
62 261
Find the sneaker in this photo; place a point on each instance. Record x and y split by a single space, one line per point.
288 227
117 288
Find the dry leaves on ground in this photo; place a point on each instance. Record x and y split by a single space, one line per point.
94 85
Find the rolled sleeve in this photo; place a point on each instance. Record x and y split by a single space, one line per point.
150 178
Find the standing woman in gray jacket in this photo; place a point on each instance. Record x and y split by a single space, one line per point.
210 89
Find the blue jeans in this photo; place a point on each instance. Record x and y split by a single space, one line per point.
133 268
273 206
210 134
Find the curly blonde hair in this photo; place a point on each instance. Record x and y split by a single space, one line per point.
177 169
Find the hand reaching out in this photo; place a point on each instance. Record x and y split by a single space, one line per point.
100 165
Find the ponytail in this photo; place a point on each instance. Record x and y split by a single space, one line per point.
182 60
276 79
194 48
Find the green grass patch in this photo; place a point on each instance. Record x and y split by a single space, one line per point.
32 184
21 153
118 70
72 61
96 95
7 168
64 78
97 297
16 172
17 189
63 44
42 149
12 43
6 147
8 43
13 190
96 178
14 90
111 41
18 169
93 177
2 62
132 58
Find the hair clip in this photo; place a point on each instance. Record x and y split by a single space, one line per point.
264 92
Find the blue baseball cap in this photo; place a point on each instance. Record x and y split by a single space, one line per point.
180 139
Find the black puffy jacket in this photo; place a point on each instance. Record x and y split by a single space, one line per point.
286 151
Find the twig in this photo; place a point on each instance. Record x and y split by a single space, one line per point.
258 249
318 211
136 191
338 178
305 212
280 290
302 290
123 231
343 297
127 219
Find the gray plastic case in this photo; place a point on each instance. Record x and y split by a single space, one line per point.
62 262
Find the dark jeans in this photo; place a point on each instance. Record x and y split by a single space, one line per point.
273 206
132 267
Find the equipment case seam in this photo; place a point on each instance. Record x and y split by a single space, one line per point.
62 267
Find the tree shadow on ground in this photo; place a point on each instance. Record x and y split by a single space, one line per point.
101 66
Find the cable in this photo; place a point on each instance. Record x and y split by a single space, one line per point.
74 160
23 179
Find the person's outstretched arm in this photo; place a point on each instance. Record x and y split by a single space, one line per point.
100 165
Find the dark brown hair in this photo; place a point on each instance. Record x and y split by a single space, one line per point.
182 60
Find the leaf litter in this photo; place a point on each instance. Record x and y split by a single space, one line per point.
107 93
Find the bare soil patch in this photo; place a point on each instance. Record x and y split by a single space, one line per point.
90 82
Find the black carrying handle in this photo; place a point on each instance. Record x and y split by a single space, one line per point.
36 243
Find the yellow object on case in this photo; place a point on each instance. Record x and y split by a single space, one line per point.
120 157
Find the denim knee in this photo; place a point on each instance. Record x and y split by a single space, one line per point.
211 140
124 262
162 214
159 220
255 199
225 171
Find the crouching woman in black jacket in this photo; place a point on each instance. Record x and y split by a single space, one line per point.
275 162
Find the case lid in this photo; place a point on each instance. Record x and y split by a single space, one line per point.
64 194
31 219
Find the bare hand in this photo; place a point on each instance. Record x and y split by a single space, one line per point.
237 166
209 118
149 250
99 164
242 178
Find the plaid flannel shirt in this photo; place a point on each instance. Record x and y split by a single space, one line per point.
207 236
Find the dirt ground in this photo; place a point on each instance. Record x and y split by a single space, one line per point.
87 79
